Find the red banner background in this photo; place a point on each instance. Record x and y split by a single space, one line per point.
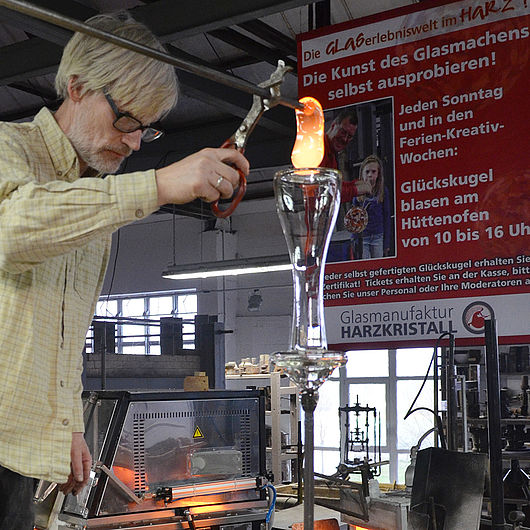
462 160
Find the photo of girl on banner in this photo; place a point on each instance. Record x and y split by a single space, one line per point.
371 236
359 142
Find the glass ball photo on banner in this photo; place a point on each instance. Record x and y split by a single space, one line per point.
358 141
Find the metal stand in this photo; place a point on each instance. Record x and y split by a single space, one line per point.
307 201
309 400
494 424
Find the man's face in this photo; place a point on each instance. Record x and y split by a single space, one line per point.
97 142
341 134
370 173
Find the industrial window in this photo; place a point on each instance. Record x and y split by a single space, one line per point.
387 380
137 317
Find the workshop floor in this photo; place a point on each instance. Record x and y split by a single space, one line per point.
284 519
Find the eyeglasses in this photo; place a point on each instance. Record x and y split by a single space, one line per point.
126 123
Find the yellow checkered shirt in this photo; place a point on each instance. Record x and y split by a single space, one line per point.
55 234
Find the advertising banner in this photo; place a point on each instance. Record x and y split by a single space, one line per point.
441 239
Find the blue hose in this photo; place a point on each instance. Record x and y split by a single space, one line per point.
273 503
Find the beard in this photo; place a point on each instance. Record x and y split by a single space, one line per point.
104 159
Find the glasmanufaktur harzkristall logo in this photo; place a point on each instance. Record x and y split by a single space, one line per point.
415 320
474 315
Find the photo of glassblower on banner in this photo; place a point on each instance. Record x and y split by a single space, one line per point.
359 142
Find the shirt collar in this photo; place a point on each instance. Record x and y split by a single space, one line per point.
62 153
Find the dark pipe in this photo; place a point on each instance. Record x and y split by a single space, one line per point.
104 362
451 397
435 386
322 13
299 466
494 424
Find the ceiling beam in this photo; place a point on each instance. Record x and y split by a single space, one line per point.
196 209
40 92
223 98
45 30
235 103
169 19
271 35
242 42
230 101
26 59
177 19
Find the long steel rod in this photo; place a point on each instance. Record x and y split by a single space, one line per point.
72 24
494 423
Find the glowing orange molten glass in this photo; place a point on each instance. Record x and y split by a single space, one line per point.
308 149
124 474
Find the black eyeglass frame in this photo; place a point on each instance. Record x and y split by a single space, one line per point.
148 133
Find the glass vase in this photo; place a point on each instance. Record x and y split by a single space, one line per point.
308 201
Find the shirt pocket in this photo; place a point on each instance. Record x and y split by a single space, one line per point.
87 272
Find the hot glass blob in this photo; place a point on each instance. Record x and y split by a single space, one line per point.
308 149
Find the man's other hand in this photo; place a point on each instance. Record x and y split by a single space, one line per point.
80 465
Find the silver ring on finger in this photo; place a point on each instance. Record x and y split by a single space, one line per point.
219 182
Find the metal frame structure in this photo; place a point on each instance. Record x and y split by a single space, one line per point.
63 21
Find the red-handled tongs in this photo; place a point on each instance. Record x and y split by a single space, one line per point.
239 139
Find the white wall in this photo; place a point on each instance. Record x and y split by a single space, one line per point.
146 249
261 334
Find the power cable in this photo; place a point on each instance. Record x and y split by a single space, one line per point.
412 410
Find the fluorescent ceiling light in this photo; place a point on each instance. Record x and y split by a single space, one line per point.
230 267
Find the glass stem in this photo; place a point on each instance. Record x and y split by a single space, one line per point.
308 310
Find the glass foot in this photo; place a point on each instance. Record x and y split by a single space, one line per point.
308 370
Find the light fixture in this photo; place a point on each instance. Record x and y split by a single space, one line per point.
229 267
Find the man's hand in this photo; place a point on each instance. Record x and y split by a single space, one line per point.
80 465
206 175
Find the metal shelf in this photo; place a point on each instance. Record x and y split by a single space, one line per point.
277 393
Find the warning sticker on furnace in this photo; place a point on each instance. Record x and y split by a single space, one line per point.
197 433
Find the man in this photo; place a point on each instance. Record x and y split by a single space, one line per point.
336 138
338 135
57 215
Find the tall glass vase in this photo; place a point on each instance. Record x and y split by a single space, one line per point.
308 201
